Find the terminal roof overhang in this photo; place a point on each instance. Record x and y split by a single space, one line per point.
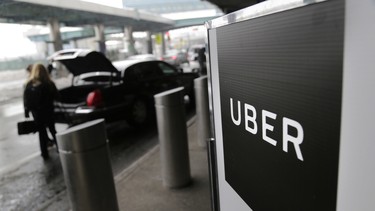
78 14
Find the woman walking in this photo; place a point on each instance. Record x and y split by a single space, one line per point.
39 94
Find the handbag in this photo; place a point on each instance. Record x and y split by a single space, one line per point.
26 127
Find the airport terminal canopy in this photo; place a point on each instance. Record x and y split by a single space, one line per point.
170 6
79 13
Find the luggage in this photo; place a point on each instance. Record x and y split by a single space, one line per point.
26 127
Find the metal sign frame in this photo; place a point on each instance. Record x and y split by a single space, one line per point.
354 172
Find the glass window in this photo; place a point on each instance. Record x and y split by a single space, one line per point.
167 69
143 71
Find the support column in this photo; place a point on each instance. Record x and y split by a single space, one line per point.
163 46
55 34
100 38
159 45
149 42
129 40
73 43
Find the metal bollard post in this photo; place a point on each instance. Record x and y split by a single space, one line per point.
203 115
174 152
87 168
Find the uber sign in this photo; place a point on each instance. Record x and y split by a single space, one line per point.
280 80
296 140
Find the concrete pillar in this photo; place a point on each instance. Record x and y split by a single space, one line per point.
163 46
129 40
149 42
100 38
159 45
55 34
73 43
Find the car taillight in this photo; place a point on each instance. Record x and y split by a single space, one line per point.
94 98
174 57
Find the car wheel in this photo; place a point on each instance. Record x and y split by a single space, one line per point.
138 113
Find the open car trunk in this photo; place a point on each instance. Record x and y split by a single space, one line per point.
79 62
70 99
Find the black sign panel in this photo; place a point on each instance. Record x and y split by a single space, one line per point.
280 87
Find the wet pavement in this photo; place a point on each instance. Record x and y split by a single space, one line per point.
39 185
27 182
15 149
31 185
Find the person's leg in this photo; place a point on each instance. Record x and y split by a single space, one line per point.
43 141
52 130
43 136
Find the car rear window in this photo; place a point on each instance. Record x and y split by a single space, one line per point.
167 70
145 70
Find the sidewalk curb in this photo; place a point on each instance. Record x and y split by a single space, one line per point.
129 170
135 165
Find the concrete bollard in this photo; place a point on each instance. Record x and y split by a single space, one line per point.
87 168
203 113
174 151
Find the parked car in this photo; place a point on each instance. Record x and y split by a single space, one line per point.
175 57
114 91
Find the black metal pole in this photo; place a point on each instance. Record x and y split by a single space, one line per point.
212 168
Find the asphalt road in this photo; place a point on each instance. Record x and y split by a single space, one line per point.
27 182
15 149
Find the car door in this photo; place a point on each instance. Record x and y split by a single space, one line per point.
180 79
174 76
148 79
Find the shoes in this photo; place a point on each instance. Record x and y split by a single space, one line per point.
51 143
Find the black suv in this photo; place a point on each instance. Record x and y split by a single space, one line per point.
114 91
